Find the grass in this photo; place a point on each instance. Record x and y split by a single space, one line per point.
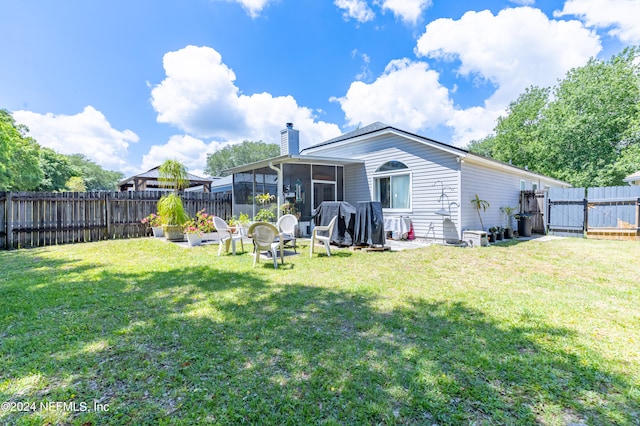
526 333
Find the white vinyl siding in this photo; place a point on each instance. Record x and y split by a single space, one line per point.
430 170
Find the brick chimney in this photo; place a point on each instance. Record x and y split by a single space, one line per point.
289 140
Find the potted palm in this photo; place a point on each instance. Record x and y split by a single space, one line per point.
172 174
508 212
480 204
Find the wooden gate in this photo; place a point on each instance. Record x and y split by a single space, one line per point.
611 212
533 204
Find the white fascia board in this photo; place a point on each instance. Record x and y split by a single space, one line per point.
499 165
441 146
297 159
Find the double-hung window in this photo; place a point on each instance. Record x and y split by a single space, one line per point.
392 182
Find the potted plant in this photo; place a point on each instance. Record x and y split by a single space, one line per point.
155 222
266 213
172 174
480 204
499 233
290 208
508 212
204 223
491 236
193 232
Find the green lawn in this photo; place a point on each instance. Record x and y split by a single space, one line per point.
524 333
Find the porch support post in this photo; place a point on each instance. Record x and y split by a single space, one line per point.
280 197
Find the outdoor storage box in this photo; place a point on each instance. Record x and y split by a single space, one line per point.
475 238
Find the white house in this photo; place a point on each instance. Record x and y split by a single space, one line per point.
428 181
633 179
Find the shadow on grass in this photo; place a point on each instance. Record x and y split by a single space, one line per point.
197 345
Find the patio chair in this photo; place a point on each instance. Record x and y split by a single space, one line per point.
266 237
227 235
326 240
287 227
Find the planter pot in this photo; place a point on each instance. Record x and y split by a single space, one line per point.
173 232
524 226
499 236
508 233
157 231
194 239
491 236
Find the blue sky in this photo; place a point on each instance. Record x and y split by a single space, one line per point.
132 83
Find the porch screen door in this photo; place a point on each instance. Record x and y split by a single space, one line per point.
323 191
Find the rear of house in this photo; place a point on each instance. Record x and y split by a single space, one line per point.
429 182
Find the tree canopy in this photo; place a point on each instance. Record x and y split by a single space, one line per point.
585 130
26 166
95 177
237 155
19 156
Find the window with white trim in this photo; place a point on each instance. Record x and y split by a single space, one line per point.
392 183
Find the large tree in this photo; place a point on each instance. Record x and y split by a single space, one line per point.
237 155
95 177
56 169
585 130
19 156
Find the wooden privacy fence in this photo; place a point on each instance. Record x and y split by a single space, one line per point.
35 219
611 212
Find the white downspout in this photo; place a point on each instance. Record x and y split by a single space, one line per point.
280 195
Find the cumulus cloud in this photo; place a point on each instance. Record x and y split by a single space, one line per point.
407 10
619 15
253 7
355 9
512 50
199 96
87 133
190 151
407 94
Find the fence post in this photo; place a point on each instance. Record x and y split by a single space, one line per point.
638 214
585 226
107 206
9 215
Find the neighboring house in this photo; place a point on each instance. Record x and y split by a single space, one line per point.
149 181
633 179
430 182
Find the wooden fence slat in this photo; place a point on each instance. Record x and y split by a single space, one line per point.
36 219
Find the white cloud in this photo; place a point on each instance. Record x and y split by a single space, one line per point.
199 96
253 7
408 94
523 2
408 10
512 50
355 9
188 150
87 133
619 15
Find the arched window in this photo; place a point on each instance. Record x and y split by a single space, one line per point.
391 166
392 185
